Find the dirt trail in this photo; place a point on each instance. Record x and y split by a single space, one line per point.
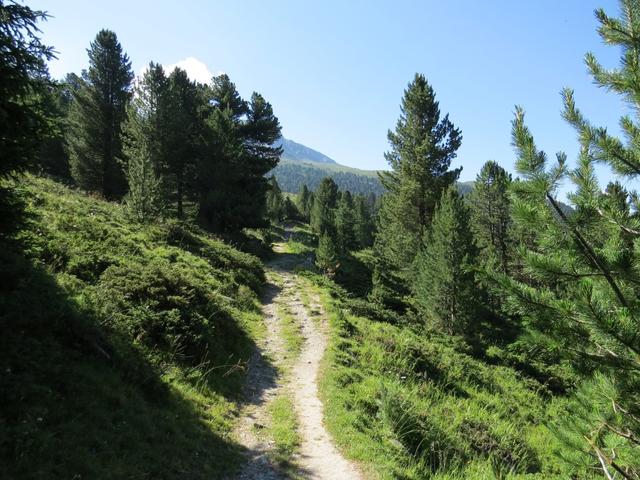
318 458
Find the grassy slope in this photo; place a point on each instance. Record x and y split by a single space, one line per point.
415 405
121 346
411 406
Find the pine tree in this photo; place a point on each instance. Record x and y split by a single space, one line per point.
275 202
183 132
490 215
323 210
444 285
144 144
345 223
290 209
217 177
327 255
583 297
364 226
231 175
52 155
304 203
23 81
422 148
96 118
260 131
146 196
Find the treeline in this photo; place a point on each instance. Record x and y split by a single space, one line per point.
162 143
292 176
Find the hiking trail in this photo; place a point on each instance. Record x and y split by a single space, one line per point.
274 370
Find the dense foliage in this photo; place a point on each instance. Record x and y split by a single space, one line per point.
23 86
582 292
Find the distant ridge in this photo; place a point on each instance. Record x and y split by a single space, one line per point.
301 165
301 153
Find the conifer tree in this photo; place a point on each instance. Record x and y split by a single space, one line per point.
490 215
290 209
422 148
146 196
444 285
231 175
96 118
145 149
324 204
23 81
184 129
52 155
304 202
274 203
583 297
260 131
327 255
345 223
363 227
217 176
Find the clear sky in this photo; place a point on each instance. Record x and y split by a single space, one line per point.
335 70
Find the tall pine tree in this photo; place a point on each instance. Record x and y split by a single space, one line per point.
275 201
490 215
364 225
304 202
444 285
231 175
422 148
345 223
96 118
184 130
323 211
145 133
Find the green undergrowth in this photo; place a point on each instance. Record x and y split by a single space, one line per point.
290 331
299 239
122 346
415 405
283 430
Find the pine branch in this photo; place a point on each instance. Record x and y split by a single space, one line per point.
588 252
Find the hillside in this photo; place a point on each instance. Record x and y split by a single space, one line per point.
121 346
301 165
292 176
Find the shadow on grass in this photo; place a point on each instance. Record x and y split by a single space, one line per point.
354 276
79 402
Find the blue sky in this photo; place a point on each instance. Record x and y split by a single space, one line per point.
335 70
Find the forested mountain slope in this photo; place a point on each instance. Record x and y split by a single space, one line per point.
300 165
292 176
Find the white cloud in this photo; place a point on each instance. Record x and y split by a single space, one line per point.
196 69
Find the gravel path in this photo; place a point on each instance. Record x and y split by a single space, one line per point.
318 457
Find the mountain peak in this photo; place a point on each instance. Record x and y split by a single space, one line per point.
300 153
